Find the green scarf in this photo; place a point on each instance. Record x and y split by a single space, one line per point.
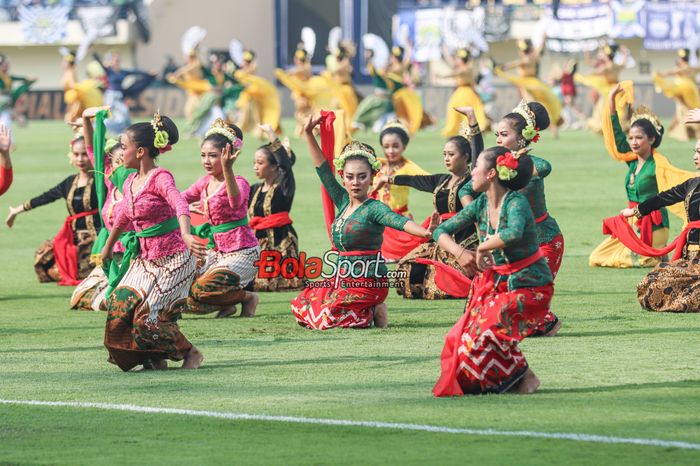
117 178
207 230
130 240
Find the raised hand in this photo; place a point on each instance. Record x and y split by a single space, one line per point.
228 158
92 111
311 124
5 139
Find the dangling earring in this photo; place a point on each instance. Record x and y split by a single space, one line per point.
522 143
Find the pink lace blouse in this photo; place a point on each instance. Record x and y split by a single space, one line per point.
156 201
219 207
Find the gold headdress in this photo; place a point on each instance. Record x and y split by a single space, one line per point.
220 127
644 113
356 148
396 124
530 132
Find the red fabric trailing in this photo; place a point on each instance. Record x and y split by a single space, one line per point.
646 223
279 219
447 384
5 179
397 244
618 227
65 253
449 279
327 147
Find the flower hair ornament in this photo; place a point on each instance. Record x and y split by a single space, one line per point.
644 113
530 133
356 148
507 164
220 127
161 140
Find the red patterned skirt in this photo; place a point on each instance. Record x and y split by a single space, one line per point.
553 254
481 353
324 306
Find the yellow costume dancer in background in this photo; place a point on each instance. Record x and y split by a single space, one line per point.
78 95
464 95
259 101
683 89
607 67
191 79
531 87
339 74
648 174
407 103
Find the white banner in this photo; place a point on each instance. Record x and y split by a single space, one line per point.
43 25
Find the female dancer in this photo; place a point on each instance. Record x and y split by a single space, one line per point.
233 249
78 95
5 160
518 130
510 297
190 77
9 93
294 79
531 87
375 108
465 95
640 154
609 62
259 101
394 140
357 235
673 286
269 206
420 279
407 103
66 258
341 74
153 280
683 89
90 294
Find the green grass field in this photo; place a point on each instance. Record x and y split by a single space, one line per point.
613 370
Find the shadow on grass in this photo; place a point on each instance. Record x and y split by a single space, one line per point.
639 331
319 361
32 297
52 350
622 387
47 330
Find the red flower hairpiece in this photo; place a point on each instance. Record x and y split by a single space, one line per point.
507 160
165 149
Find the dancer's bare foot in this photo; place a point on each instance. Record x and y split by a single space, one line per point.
554 329
227 312
249 304
193 359
381 316
528 384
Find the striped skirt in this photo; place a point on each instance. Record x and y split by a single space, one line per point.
143 311
222 280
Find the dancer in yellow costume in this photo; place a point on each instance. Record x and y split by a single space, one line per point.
310 93
78 95
339 74
259 101
407 103
190 77
464 96
531 87
608 63
649 173
683 89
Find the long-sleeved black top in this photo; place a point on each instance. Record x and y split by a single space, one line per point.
688 193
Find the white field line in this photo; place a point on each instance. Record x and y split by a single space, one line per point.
369 424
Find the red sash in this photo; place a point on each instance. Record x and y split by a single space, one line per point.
541 219
65 253
447 384
619 228
399 243
279 219
646 223
328 148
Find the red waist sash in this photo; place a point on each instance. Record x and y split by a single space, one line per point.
279 219
618 227
646 223
65 253
542 218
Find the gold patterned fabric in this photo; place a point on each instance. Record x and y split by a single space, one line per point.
672 286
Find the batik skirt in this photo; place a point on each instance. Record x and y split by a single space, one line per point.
222 280
322 305
45 263
672 286
142 312
287 247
